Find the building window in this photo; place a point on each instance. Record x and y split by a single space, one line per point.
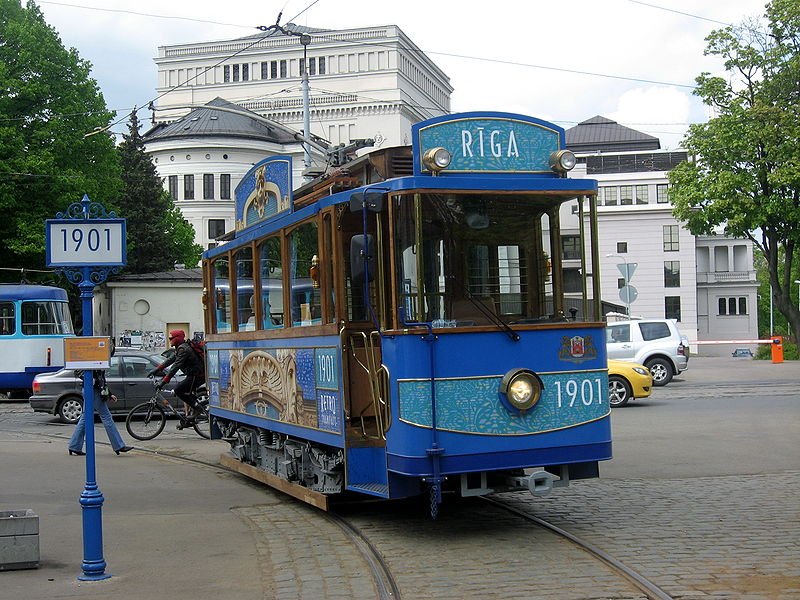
622 247
312 66
733 306
173 186
573 282
321 65
284 71
620 283
226 73
671 238
672 307
225 187
216 228
610 196
662 196
626 195
265 70
236 72
273 69
245 72
642 196
672 273
188 187
208 186
571 247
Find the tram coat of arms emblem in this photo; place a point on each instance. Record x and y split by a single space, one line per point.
577 349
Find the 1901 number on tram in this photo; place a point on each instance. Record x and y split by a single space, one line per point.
572 392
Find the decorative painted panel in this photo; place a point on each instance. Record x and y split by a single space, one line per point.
281 384
472 405
481 143
264 191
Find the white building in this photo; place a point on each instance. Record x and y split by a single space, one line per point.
364 83
370 82
677 275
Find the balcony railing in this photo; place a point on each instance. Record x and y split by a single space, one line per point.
725 276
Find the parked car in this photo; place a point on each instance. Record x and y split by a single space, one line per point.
655 343
627 381
61 393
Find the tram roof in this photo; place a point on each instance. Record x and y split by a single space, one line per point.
21 291
503 183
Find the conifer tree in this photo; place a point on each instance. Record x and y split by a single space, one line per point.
158 237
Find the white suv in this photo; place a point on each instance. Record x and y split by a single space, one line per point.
654 343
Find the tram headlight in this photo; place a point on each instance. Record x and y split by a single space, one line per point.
521 388
436 159
562 161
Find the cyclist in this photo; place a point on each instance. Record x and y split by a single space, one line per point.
188 361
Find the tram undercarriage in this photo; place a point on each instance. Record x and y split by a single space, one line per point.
318 468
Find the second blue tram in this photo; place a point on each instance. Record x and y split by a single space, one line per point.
34 320
408 324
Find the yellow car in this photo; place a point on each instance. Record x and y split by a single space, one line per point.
626 381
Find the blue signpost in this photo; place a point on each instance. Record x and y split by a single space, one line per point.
87 245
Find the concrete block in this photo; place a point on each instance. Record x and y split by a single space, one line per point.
19 539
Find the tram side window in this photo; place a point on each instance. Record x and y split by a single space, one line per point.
245 302
7 320
222 295
304 275
271 283
45 318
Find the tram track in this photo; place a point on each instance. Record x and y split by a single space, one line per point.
646 586
383 579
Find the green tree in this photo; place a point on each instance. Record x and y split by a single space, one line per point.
158 236
48 105
745 177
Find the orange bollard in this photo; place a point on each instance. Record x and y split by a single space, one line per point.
777 349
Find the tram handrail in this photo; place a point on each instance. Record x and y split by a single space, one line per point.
378 376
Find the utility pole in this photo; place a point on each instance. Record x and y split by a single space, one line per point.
305 39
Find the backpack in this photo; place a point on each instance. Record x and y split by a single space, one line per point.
199 347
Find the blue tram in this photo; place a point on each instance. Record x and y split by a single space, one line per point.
34 320
403 326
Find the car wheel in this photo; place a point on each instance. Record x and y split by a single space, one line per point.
661 371
619 391
70 410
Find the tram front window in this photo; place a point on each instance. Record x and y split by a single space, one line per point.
468 259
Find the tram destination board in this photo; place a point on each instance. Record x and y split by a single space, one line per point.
75 242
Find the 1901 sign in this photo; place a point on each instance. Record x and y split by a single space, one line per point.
98 242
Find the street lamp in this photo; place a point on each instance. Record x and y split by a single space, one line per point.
797 281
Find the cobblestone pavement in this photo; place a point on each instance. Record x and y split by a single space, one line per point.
734 537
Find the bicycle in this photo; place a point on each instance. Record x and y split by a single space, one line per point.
147 420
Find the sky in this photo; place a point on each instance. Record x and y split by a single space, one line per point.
628 60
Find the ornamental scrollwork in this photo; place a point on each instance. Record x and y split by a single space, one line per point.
86 209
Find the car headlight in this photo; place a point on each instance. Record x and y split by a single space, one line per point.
641 370
521 388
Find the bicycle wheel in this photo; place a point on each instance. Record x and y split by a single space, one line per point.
202 420
145 421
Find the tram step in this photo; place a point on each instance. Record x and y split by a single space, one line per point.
372 488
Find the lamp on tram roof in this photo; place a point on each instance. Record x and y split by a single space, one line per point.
436 159
562 161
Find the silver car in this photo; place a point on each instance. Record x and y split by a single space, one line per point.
61 393
654 343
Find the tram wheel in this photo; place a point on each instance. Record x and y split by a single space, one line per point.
619 391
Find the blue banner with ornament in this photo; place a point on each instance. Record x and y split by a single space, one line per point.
489 142
264 192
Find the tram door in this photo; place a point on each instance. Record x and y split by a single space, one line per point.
367 403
